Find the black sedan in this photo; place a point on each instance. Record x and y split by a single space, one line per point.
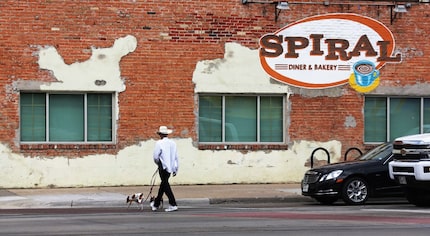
353 181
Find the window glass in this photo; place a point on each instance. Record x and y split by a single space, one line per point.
99 109
66 117
240 119
62 116
375 119
426 115
32 115
210 119
404 117
271 122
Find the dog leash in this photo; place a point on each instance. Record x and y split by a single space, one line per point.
152 183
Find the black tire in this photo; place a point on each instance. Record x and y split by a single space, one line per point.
326 200
418 197
355 191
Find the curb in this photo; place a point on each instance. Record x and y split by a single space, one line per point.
18 202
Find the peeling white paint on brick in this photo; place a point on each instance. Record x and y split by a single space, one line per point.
101 72
238 72
134 166
350 122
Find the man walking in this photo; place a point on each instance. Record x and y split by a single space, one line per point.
166 157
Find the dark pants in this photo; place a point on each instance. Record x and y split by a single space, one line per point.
164 188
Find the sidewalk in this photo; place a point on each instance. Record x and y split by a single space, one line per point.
186 195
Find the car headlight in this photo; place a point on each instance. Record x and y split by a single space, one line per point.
332 175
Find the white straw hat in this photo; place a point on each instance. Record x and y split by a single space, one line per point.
164 130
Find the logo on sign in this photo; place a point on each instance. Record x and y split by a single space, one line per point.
329 50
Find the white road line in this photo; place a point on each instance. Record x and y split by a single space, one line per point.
399 210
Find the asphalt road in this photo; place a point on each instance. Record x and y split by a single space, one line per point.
301 218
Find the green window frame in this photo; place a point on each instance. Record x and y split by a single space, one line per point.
66 118
386 118
241 119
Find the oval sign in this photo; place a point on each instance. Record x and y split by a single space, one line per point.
329 50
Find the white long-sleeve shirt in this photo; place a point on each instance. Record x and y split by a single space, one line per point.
165 151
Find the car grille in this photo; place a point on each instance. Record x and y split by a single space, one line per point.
403 169
410 152
311 177
410 157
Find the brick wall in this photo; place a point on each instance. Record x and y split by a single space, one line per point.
325 118
172 37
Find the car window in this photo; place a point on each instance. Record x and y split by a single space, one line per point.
377 153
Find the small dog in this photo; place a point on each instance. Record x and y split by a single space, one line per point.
137 198
151 202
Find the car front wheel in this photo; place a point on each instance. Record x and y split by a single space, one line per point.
355 191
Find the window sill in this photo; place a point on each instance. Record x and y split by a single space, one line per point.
248 147
66 146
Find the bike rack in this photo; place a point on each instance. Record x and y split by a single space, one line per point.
351 149
317 149
328 154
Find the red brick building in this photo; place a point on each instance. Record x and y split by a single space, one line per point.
87 83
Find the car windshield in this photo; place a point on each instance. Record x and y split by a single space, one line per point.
378 152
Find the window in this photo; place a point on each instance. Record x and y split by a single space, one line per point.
386 118
74 118
241 119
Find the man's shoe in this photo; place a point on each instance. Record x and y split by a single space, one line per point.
171 208
153 208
